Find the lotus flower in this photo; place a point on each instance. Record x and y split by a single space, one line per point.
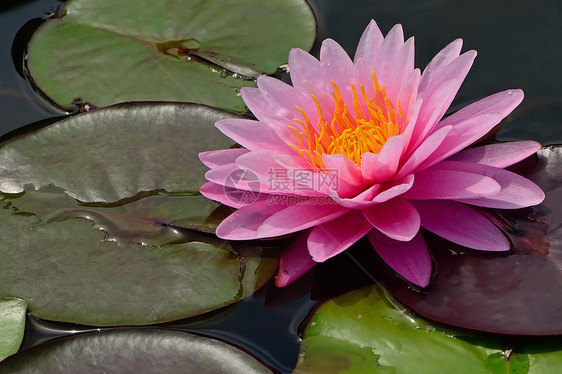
360 147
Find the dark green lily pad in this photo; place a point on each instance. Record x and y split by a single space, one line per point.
126 274
128 252
114 153
12 325
361 332
133 351
175 50
518 293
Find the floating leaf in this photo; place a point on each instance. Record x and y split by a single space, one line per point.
517 293
133 351
12 325
114 153
176 50
70 271
131 261
361 332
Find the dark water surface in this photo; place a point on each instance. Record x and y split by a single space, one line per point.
519 46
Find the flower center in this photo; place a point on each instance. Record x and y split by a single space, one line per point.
351 133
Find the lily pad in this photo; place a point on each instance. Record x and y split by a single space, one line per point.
175 50
114 153
517 293
129 250
361 332
12 325
133 351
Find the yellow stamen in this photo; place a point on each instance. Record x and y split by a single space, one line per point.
351 133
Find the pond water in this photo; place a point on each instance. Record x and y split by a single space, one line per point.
518 44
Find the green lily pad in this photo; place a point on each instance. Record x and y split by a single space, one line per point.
12 325
102 219
175 50
114 153
361 332
133 351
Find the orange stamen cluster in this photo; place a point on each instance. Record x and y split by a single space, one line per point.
351 133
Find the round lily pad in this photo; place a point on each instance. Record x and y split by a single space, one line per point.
517 293
362 332
134 351
175 50
103 224
12 325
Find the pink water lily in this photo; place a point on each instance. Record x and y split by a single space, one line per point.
360 147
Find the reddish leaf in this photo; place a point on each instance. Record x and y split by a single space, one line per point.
518 293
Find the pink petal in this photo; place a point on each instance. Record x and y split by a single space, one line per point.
295 261
325 101
389 50
231 196
300 216
502 103
321 182
440 92
212 159
400 70
409 90
451 184
281 127
245 179
261 163
410 126
396 218
368 162
252 135
273 177
336 66
306 179
244 223
369 44
388 158
409 259
333 237
499 155
256 102
441 59
473 122
344 169
432 109
303 67
456 69
516 191
361 201
461 224
231 176
463 134
423 151
282 98
395 188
